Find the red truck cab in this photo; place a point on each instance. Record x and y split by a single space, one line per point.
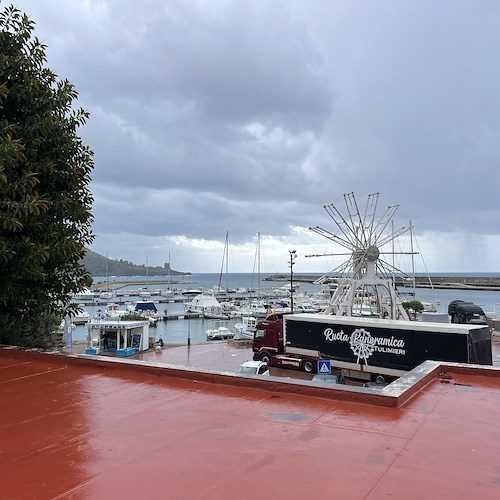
268 338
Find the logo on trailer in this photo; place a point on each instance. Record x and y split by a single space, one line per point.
362 344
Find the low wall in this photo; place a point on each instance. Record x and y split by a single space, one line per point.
393 395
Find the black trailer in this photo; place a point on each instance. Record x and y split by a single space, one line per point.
383 346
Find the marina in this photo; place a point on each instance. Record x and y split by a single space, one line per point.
178 325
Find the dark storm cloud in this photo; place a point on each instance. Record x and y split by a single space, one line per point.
211 104
209 116
418 107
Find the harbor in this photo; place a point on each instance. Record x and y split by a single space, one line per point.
175 325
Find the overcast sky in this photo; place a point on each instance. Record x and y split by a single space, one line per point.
249 116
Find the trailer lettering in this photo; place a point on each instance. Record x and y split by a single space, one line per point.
363 344
391 342
389 350
331 335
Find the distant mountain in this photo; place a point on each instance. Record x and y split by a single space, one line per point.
98 265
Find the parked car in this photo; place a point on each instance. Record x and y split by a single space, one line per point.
253 368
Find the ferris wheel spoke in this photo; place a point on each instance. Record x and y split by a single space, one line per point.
333 237
341 223
371 203
393 236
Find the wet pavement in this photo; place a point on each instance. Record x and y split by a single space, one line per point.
218 355
72 428
227 356
224 356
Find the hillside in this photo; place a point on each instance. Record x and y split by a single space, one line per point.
98 265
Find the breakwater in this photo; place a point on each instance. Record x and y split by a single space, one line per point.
118 285
438 282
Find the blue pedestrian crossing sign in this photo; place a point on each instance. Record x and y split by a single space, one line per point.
324 366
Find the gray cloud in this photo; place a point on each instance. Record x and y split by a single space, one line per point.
249 116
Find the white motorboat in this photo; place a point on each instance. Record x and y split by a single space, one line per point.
230 309
285 290
219 333
112 311
147 309
254 308
85 294
305 308
246 328
206 305
430 306
303 303
81 318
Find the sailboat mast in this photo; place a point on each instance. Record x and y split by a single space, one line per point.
227 260
412 262
107 273
224 258
258 265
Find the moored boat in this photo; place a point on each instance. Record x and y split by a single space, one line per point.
246 328
254 308
206 305
85 294
147 309
219 333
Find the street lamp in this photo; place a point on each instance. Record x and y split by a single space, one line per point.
293 256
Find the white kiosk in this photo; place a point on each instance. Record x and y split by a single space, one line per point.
124 338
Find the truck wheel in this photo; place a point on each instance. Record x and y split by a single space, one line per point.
380 379
266 358
309 366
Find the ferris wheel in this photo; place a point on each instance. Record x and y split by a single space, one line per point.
365 280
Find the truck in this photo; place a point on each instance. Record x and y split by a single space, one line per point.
369 349
464 312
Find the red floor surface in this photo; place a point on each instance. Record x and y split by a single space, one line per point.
70 431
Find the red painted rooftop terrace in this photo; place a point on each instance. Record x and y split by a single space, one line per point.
76 427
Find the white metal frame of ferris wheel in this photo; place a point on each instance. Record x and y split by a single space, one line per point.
366 279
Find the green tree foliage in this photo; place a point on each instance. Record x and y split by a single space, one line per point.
98 265
132 316
45 202
416 305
